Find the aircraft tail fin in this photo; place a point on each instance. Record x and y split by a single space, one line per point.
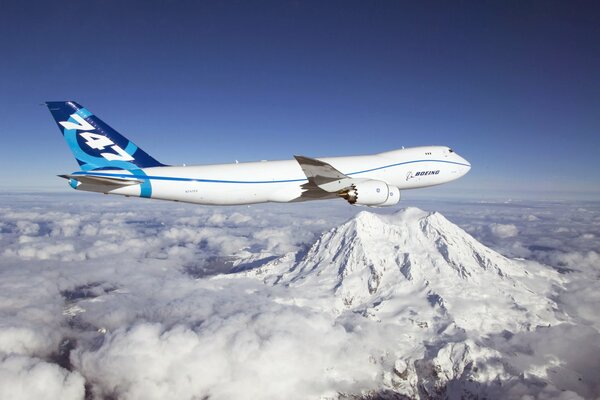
94 143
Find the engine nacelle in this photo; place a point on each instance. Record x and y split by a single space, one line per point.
372 193
393 197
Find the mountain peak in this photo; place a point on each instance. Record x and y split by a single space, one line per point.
366 219
372 259
410 217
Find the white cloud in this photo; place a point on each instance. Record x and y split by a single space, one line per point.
120 267
24 378
504 230
586 261
268 354
42 250
26 340
67 227
27 227
566 355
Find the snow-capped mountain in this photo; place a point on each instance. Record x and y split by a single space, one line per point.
444 293
414 259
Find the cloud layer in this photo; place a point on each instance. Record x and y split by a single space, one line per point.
117 294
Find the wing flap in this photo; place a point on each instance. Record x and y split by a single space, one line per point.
323 175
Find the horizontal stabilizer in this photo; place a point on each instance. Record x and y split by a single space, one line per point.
103 180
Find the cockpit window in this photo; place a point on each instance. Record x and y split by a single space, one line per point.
450 151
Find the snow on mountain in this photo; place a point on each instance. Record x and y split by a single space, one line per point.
415 260
440 293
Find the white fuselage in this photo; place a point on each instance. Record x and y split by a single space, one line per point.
281 181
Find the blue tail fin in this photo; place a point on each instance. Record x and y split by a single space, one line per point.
94 144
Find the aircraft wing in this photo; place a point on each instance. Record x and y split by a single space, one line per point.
323 176
103 180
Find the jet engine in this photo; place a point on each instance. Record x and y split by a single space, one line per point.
393 197
371 193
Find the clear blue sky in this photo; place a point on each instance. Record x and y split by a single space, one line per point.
513 86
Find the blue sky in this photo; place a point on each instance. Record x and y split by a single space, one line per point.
514 87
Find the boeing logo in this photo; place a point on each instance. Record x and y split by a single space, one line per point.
421 173
410 175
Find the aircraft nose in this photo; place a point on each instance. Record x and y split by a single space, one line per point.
466 166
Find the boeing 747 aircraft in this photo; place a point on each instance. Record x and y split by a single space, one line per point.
111 164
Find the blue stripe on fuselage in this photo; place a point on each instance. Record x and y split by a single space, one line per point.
170 178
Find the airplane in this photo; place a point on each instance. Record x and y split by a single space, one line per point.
112 164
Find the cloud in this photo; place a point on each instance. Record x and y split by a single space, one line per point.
26 340
26 378
566 355
44 251
504 230
124 281
272 352
27 227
